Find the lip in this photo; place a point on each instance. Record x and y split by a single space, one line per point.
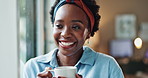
66 44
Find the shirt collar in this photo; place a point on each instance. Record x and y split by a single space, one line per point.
49 58
88 57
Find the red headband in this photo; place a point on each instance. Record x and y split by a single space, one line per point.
81 5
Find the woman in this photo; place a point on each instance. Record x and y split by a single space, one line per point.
74 21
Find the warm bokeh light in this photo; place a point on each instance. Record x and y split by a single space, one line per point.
138 43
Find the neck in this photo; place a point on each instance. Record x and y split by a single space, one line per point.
64 60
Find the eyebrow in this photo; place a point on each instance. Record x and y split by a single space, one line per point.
77 21
72 21
59 20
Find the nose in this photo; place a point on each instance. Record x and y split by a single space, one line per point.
66 32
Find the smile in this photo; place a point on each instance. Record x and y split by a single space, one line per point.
67 43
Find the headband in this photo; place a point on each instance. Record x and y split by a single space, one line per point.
81 5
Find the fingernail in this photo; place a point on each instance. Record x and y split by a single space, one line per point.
59 77
80 75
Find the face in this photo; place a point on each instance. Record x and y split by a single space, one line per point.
70 29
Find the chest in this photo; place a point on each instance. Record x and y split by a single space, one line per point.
95 71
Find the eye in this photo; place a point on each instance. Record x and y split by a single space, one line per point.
59 26
76 27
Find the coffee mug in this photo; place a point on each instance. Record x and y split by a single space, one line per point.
65 71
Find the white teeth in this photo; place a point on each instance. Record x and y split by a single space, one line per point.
67 43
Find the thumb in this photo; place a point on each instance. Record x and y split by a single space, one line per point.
78 76
45 73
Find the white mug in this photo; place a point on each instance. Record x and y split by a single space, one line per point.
65 71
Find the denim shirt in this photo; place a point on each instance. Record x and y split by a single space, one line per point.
91 65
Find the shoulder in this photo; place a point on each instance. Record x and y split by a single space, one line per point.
98 55
101 59
106 63
105 57
41 59
34 62
100 63
37 64
44 58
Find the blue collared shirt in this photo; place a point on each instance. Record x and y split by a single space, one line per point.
91 65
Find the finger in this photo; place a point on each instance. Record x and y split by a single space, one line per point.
78 76
49 74
41 74
45 74
61 77
48 68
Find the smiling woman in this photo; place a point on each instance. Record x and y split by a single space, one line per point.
70 31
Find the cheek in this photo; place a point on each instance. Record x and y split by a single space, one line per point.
85 35
82 36
55 34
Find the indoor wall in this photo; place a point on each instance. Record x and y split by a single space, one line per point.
109 9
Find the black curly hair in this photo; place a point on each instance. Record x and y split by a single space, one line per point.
91 4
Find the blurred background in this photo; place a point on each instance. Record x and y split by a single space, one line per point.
26 32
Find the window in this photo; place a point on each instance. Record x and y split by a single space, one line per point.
35 29
49 42
27 31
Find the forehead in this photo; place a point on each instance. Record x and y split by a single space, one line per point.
70 11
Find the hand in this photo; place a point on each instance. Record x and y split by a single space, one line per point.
77 76
49 75
45 73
